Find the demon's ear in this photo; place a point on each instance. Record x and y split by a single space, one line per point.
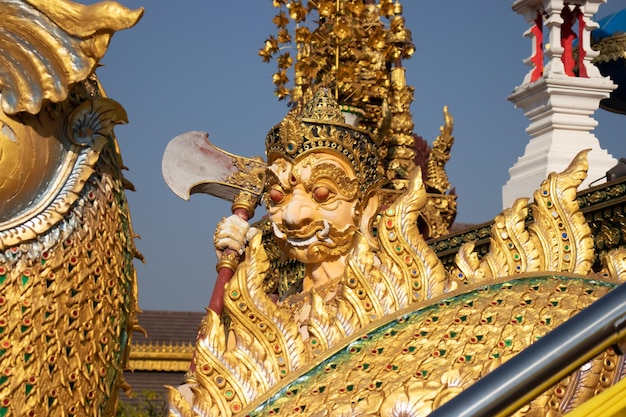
370 211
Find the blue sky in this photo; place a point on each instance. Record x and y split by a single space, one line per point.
193 65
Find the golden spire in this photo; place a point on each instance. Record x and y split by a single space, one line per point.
346 48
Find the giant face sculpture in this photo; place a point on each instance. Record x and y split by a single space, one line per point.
323 176
313 205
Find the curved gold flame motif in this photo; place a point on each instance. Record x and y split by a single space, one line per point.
46 46
558 240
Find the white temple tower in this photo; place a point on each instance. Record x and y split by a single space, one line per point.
559 94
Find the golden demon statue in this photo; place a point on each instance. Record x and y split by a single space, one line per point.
67 283
378 326
373 325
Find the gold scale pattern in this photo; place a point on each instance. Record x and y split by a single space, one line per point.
417 360
67 282
66 316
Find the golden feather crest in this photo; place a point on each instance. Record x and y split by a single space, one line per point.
559 239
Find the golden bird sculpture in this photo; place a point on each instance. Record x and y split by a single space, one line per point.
68 298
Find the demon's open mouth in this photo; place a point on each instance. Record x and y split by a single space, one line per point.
317 231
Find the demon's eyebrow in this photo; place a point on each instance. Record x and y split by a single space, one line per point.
271 179
348 187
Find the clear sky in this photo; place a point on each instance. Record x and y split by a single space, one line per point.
193 65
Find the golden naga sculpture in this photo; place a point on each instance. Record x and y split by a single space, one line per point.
378 326
67 283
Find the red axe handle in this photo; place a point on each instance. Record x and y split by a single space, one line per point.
243 206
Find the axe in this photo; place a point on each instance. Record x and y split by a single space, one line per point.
191 164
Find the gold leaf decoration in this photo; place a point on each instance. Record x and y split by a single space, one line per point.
68 291
559 220
419 358
423 276
331 42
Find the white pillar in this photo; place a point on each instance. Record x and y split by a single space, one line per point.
558 102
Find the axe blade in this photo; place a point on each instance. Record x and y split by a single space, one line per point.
191 164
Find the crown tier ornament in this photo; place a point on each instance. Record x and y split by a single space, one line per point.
321 127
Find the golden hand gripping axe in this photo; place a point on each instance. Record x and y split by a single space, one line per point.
191 164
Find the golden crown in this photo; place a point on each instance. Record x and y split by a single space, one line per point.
322 127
